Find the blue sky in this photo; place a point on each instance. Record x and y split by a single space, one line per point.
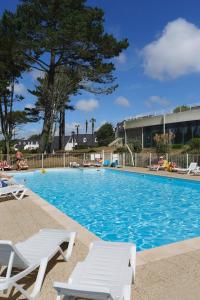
160 69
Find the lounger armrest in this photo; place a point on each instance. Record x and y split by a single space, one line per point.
82 291
5 242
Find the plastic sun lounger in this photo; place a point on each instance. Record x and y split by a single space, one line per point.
18 191
106 273
196 171
192 167
156 167
34 252
106 163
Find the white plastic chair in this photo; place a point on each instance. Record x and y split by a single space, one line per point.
18 191
34 252
106 273
192 167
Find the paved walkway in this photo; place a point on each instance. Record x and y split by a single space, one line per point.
171 278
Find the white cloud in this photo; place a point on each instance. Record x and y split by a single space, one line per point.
122 101
87 105
121 59
29 106
20 89
157 101
175 52
36 73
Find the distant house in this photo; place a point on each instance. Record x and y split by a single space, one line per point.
27 144
86 140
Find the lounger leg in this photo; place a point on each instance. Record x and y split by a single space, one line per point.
40 278
127 292
62 253
133 262
22 291
21 196
70 246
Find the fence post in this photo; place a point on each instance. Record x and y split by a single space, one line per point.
167 157
103 156
150 159
135 159
42 161
83 157
64 160
123 159
187 160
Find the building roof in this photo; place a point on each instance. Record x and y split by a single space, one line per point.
87 140
174 117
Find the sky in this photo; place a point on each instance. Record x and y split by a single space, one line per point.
159 71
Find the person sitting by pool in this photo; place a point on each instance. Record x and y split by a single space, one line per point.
171 166
4 176
161 165
87 164
5 166
22 165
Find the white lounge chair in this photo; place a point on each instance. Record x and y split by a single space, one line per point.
29 255
156 167
192 167
74 164
18 191
106 273
197 171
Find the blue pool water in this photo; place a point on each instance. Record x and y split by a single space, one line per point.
121 206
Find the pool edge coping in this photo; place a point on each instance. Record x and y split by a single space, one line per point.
84 235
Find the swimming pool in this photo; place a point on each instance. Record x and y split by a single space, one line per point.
122 206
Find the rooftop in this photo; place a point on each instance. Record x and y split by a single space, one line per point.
161 113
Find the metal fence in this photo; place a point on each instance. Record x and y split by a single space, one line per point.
147 159
60 160
138 160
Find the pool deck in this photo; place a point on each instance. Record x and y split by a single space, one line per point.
170 272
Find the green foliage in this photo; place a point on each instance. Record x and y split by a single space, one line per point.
92 151
163 143
121 150
80 147
67 33
194 145
181 108
177 146
12 65
135 145
105 134
51 36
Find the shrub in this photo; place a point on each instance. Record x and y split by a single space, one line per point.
121 150
181 108
105 134
194 145
163 142
80 147
177 146
135 145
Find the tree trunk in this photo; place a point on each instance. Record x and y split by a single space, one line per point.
46 136
7 149
62 130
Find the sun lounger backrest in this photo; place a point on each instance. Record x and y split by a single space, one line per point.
192 166
6 249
